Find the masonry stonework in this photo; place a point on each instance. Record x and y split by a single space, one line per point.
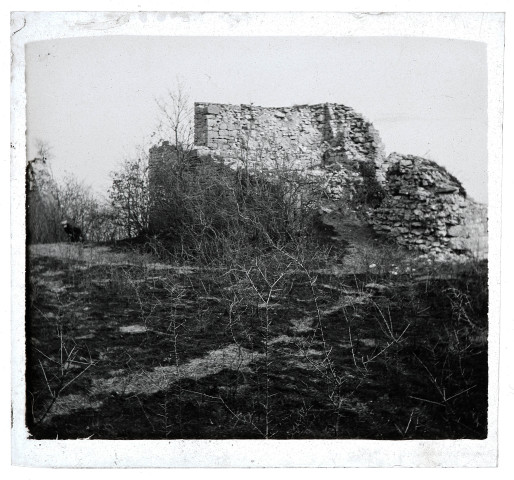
423 207
426 208
308 133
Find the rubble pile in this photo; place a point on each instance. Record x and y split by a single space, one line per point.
426 208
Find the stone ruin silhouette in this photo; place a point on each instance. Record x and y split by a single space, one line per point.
421 206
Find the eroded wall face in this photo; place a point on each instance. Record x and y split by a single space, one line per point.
307 134
427 209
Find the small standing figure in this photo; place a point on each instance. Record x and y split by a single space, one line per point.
74 233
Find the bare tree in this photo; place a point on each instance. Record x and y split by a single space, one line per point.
79 205
51 201
43 149
130 196
42 204
176 122
130 193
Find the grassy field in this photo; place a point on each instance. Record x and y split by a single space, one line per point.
123 346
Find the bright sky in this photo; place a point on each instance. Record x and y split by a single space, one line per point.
93 99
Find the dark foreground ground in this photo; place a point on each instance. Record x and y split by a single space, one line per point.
122 347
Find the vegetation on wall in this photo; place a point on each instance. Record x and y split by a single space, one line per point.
211 211
370 192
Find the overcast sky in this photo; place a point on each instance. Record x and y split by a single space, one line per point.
93 99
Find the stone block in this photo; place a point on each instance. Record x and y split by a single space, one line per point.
457 231
447 189
213 109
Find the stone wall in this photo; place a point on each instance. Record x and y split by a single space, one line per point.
471 234
307 134
409 199
426 208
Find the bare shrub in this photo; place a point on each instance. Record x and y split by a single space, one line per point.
50 201
211 211
129 196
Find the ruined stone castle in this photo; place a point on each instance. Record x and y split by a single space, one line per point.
421 206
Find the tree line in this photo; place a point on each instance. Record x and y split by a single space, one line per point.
204 208
124 212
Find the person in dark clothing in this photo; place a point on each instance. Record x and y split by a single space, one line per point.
74 233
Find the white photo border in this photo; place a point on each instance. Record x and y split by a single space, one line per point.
34 26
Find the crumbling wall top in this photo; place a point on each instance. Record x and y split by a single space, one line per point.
304 132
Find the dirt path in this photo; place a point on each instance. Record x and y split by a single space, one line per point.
358 238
